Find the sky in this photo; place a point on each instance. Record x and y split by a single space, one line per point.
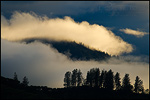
117 27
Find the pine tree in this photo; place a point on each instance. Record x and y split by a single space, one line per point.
67 79
104 80
93 77
126 85
74 77
15 77
88 78
101 79
138 86
25 81
117 81
79 78
97 74
109 80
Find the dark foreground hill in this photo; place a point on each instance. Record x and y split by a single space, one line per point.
11 89
74 50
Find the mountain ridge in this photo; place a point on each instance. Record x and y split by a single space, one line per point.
73 50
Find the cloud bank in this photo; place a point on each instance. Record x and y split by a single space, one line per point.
133 32
47 66
29 25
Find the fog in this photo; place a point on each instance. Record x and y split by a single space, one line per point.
44 65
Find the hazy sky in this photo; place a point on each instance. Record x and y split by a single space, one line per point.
116 27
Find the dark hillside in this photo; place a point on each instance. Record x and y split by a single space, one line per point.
10 89
17 91
74 51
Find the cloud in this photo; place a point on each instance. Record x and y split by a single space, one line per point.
47 66
29 25
133 32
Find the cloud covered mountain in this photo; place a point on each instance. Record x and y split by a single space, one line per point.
73 50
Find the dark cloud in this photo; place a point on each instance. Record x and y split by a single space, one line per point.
120 14
75 7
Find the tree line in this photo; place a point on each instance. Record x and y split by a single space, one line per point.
104 79
25 81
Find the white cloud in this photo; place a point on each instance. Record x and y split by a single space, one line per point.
47 67
133 32
29 25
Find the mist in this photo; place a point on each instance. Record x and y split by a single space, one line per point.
23 25
47 66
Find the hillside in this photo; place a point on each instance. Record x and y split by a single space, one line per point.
10 89
74 51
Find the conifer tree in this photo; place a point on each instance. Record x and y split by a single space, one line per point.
109 80
25 81
101 79
117 81
74 77
15 77
126 84
79 78
97 75
67 79
138 86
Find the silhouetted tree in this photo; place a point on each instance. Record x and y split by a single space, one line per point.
15 77
79 78
16 81
74 77
92 77
138 86
104 80
97 74
67 79
117 81
109 80
101 79
126 85
88 78
25 81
